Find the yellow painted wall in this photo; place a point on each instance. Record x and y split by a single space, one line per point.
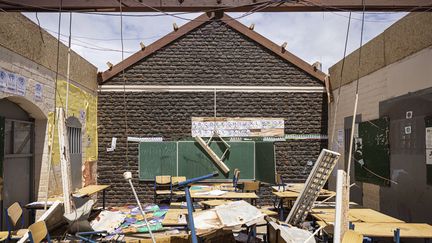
79 101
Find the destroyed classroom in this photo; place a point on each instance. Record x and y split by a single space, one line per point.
215 131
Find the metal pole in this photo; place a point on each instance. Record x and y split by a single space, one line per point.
128 176
191 224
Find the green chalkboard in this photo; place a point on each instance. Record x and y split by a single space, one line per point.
265 163
193 161
373 149
157 158
255 160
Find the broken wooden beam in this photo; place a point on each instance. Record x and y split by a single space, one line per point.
213 155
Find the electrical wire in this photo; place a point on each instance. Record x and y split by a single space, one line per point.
334 9
356 96
124 86
340 82
372 172
40 28
161 13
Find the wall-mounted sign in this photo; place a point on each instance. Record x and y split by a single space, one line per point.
38 91
237 127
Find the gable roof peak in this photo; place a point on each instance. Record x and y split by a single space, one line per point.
197 22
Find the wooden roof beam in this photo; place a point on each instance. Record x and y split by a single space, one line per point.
208 5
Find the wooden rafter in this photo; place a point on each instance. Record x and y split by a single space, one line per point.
208 5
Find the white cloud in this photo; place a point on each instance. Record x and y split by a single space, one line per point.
311 36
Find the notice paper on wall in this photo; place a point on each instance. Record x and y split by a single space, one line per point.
38 92
429 145
3 80
12 83
237 127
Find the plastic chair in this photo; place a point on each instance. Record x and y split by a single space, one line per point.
236 177
163 182
13 214
38 231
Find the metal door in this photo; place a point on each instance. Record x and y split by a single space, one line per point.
75 151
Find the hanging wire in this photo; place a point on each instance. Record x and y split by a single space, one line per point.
68 64
356 97
125 111
58 57
340 84
40 28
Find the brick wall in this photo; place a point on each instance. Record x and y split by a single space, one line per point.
215 54
169 115
212 54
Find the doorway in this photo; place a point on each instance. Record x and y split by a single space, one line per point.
17 135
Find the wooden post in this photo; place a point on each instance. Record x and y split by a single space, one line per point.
51 129
342 207
64 160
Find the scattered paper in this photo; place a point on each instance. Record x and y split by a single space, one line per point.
237 213
212 193
113 145
108 221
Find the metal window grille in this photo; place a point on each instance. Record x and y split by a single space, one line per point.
74 136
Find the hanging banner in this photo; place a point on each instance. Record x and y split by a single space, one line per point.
238 127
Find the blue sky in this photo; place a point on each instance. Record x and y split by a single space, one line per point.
317 36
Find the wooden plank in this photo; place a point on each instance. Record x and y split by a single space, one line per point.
173 214
64 161
354 215
207 5
372 216
342 206
89 190
212 154
407 230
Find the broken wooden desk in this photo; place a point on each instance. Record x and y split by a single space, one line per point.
387 229
82 192
175 216
367 215
371 223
